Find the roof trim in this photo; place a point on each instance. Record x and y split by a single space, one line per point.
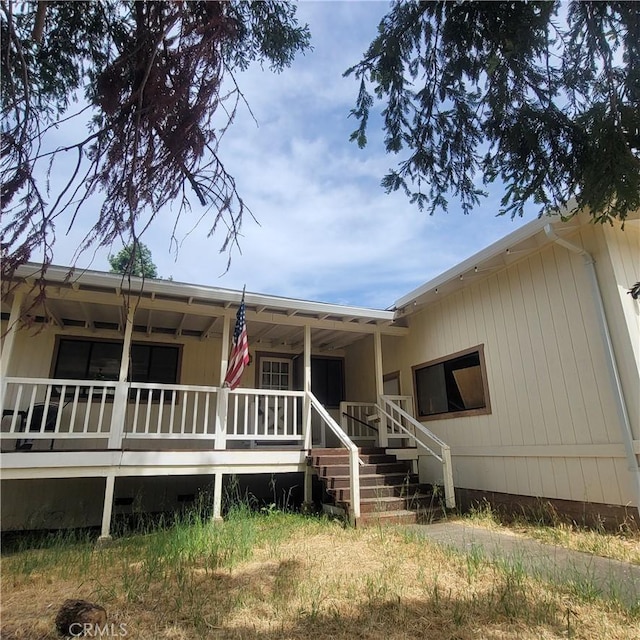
112 281
489 253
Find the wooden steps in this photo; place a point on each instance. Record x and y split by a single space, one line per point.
389 492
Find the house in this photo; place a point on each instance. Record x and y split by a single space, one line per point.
514 376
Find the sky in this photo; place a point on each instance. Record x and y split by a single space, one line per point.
325 229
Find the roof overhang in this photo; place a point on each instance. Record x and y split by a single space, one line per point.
516 246
96 300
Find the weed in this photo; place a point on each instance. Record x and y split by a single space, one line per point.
474 559
278 574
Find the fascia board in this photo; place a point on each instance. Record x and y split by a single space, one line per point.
479 259
104 280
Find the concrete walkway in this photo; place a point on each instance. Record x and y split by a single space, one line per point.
591 574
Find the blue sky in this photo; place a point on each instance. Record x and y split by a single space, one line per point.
327 231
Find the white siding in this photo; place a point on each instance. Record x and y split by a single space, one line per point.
553 429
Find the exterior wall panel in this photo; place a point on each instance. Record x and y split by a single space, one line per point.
548 379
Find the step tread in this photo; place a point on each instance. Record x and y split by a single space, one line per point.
409 486
418 496
400 516
391 514
345 452
377 475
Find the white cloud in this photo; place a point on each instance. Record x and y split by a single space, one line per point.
326 230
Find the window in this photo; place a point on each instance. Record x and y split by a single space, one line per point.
275 373
88 360
154 363
100 360
452 386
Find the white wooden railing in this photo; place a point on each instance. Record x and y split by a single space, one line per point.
392 419
396 421
113 413
359 420
44 409
354 458
362 420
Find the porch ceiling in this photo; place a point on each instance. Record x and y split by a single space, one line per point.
96 302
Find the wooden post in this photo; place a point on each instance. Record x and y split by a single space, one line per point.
224 350
118 413
308 488
354 484
105 533
308 435
217 497
383 439
222 407
9 339
449 490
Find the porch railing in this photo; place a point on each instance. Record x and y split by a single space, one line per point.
112 413
35 409
397 420
354 458
391 419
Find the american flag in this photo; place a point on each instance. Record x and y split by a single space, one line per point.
239 357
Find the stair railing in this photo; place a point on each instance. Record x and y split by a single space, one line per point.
398 419
354 458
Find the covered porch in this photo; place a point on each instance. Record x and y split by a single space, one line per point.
111 421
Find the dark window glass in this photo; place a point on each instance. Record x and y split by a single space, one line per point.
72 360
163 364
104 362
451 386
94 360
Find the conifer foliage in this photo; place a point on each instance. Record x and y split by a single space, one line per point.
157 81
134 260
544 96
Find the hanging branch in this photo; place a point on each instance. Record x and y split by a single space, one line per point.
152 75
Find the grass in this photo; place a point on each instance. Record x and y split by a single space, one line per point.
275 575
545 525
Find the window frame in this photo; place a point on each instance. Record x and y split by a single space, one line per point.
262 359
479 349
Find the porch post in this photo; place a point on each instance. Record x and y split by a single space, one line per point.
224 352
9 339
217 497
120 400
383 439
308 436
306 385
105 533
222 407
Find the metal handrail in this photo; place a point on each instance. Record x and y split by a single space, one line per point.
362 422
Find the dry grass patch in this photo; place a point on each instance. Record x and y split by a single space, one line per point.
546 526
279 576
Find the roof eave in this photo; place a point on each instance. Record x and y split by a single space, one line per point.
116 282
482 258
